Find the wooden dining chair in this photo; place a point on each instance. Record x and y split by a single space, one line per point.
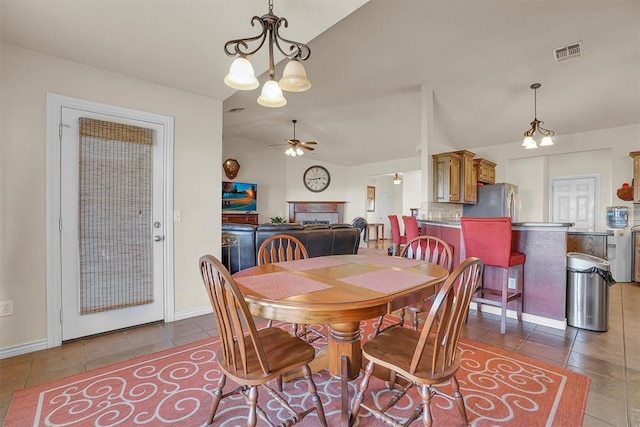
280 248
427 248
425 358
252 357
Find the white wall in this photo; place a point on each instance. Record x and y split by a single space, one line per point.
411 191
265 167
26 78
604 152
531 177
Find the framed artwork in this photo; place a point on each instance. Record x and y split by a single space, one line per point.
371 198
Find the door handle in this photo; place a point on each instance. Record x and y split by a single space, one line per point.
158 238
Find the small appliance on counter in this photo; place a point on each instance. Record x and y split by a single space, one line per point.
619 243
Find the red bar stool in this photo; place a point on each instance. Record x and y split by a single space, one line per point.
410 227
398 239
490 240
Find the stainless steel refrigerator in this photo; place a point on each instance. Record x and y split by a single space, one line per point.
495 200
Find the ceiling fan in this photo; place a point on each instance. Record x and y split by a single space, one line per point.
296 146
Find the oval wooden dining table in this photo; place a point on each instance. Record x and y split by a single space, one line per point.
338 291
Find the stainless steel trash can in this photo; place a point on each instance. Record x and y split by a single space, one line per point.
588 281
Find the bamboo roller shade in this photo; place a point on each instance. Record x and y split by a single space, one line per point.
115 131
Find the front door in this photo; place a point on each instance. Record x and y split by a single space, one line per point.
112 230
573 199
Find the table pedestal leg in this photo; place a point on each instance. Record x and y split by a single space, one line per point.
344 340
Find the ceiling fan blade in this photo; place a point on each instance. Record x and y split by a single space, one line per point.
308 143
306 148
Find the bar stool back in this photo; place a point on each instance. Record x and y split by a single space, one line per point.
398 239
490 240
410 227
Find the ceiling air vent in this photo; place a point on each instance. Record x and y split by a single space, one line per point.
565 53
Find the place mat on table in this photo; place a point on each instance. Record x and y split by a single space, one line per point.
281 284
391 261
387 281
309 263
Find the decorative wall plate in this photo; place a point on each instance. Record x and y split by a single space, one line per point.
231 168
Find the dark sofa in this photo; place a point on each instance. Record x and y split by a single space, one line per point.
319 239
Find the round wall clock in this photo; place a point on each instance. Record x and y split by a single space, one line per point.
316 178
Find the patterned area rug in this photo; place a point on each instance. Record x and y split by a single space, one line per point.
174 388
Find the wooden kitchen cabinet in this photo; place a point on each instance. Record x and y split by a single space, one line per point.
588 243
636 175
454 180
485 171
469 184
446 177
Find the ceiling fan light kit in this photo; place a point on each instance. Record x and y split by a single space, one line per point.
241 74
296 146
529 143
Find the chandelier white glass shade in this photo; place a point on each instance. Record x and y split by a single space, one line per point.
397 180
529 141
294 77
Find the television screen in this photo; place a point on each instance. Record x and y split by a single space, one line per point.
239 196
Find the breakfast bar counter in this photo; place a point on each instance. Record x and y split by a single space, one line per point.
545 247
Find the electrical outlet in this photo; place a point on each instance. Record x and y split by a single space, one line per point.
6 308
512 283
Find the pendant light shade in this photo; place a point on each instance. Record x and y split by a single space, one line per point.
241 75
271 95
397 180
294 78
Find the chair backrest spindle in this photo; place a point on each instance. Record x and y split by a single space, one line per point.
281 247
430 249
445 319
235 323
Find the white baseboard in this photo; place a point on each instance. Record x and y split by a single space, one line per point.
526 317
193 313
17 350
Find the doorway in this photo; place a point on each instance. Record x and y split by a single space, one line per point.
574 199
110 200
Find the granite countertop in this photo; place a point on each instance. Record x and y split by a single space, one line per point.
592 232
515 224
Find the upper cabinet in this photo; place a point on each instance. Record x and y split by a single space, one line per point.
446 177
454 179
469 184
636 175
485 171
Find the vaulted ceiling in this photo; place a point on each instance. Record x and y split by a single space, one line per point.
369 62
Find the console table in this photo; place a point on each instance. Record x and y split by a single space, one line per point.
379 227
240 218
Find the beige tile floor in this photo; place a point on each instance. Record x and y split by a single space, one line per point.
611 359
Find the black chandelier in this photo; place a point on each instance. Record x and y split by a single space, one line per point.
294 77
529 142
